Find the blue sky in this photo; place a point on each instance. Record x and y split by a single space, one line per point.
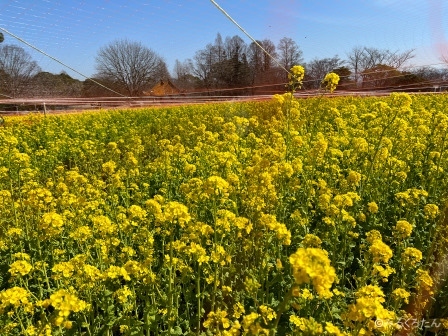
74 30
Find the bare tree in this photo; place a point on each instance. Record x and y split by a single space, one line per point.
380 76
203 65
360 59
444 58
132 66
428 73
219 48
16 69
397 60
318 68
262 65
355 58
235 47
161 71
268 62
182 69
289 53
183 75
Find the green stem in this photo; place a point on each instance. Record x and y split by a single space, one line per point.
198 293
87 325
170 285
377 149
215 240
282 308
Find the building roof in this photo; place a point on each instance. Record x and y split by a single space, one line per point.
163 88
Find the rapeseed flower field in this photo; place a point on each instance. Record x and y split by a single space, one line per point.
322 216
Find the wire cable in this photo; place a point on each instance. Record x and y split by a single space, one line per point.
248 35
60 62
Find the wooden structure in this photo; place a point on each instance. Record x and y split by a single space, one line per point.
163 88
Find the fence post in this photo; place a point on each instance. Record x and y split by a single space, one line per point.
45 110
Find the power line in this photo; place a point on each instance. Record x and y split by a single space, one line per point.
60 62
248 35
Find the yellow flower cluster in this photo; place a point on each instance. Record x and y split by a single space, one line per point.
403 229
311 240
21 267
217 320
229 219
282 233
312 265
295 76
64 303
51 224
431 210
411 256
380 252
331 81
424 280
372 207
306 326
383 272
368 307
15 297
401 294
175 212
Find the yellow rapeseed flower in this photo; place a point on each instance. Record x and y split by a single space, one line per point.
306 326
368 307
216 185
373 235
109 167
21 267
65 303
16 297
372 207
63 270
136 212
401 294
176 212
123 294
217 320
81 233
295 77
402 229
331 81
311 240
51 224
313 265
331 329
353 178
383 272
267 313
431 211
411 256
424 280
252 326
380 252
282 233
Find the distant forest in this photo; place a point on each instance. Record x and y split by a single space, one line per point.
227 66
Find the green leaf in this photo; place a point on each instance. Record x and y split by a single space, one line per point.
176 331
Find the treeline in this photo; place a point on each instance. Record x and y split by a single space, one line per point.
260 67
227 66
231 63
